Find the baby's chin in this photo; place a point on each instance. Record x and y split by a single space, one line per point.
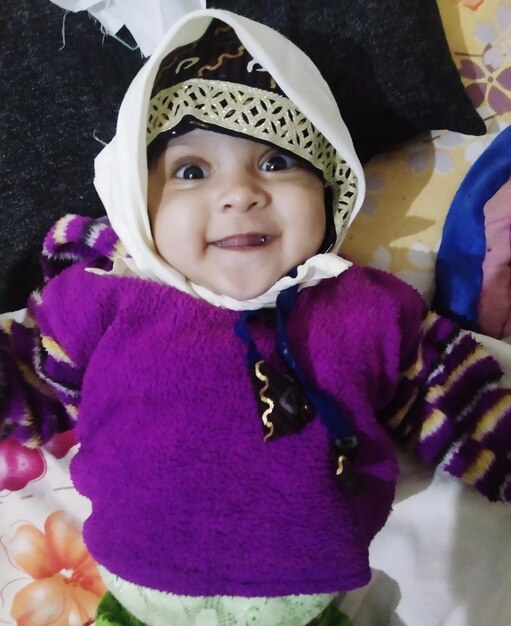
241 293
244 290
243 286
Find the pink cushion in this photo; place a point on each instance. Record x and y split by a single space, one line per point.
495 296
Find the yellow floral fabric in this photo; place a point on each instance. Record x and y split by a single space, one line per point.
409 190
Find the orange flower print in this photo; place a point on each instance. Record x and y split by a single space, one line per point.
471 4
66 587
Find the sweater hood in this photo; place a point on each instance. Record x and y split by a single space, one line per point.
121 167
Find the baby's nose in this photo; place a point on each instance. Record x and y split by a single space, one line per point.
244 193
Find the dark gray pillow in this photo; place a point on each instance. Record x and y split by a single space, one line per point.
386 61
55 100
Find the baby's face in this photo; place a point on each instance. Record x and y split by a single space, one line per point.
231 214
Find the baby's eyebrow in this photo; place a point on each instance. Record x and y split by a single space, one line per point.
185 149
179 143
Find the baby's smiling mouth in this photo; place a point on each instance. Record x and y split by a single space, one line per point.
244 240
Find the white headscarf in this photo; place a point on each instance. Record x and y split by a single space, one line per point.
121 167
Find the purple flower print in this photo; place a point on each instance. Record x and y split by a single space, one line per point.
494 86
489 74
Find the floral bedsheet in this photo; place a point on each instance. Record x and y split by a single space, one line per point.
46 574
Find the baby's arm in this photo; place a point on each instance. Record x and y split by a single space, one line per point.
44 358
36 401
39 380
450 405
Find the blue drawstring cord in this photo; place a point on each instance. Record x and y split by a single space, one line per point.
328 411
344 442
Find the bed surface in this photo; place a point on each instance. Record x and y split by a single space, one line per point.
444 558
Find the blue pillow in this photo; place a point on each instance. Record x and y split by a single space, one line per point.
459 274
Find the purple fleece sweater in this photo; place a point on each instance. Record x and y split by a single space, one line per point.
186 496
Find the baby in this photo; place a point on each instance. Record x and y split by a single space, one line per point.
230 373
220 210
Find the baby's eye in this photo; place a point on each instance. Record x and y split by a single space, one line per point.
191 171
277 162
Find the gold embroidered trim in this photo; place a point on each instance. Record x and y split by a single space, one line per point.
262 115
264 379
340 465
